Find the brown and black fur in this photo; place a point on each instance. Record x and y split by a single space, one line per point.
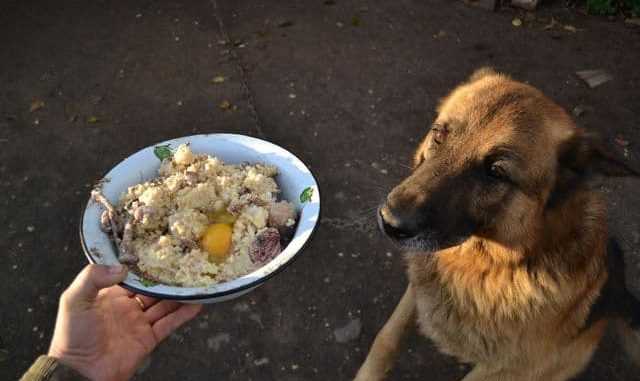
507 241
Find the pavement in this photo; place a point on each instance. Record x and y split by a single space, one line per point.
349 86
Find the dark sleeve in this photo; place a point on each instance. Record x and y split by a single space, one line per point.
47 368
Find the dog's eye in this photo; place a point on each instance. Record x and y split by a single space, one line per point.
439 133
496 171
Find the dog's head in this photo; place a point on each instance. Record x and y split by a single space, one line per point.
497 156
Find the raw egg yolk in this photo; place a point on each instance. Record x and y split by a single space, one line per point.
217 241
222 217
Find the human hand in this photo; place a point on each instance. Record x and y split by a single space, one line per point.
104 331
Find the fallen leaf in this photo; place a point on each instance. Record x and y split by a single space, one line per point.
227 106
551 24
93 119
218 79
578 111
516 22
441 33
594 78
355 21
570 28
285 24
36 105
526 4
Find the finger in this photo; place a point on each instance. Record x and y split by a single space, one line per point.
160 310
92 279
163 327
146 300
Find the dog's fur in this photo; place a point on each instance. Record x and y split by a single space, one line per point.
507 261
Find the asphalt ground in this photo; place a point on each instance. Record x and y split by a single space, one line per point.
348 86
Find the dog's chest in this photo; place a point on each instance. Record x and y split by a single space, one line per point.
456 326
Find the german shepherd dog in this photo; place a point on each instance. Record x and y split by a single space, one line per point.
507 248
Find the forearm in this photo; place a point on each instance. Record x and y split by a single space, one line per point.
47 368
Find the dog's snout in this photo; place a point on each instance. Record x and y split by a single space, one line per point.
392 226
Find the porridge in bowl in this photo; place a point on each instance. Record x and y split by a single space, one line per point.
201 221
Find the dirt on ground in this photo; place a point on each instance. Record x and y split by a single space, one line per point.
348 86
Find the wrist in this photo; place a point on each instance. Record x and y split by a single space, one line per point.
76 362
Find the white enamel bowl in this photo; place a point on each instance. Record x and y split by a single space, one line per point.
294 178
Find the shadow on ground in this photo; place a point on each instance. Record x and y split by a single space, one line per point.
349 86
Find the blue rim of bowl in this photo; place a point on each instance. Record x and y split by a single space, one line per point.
220 294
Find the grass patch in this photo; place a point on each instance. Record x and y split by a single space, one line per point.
611 7
602 7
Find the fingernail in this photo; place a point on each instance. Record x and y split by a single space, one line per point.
116 269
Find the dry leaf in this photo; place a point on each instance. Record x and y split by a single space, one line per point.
570 28
441 33
594 78
551 24
93 119
225 105
516 22
285 24
36 105
579 110
218 79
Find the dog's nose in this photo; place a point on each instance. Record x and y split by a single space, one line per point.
392 226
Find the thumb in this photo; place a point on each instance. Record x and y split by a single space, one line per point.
92 279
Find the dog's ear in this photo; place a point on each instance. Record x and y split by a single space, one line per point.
481 73
584 154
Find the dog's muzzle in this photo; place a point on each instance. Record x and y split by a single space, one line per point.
392 227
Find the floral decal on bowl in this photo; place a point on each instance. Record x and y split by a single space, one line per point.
147 282
163 152
306 195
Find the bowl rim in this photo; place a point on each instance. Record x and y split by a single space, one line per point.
218 294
